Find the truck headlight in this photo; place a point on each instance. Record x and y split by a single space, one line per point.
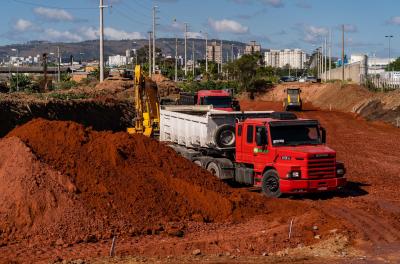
296 174
340 171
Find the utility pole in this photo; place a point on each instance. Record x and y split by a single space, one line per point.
206 34
193 63
389 37
185 36
16 51
322 60
319 62
101 41
222 56
232 58
342 53
330 53
59 65
45 71
154 38
150 53
325 58
176 59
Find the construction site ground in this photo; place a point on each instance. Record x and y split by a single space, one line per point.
215 222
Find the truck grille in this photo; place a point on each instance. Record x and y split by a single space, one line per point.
321 167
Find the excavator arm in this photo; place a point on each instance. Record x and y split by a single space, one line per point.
147 121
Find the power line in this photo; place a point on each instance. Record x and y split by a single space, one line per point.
141 5
56 7
135 10
129 17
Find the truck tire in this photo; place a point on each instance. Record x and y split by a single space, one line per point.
270 184
214 169
225 136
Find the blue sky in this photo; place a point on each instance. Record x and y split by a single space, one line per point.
273 23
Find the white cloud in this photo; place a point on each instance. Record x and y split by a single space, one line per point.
274 3
313 34
55 35
22 25
226 25
394 20
89 33
350 28
195 35
53 14
115 34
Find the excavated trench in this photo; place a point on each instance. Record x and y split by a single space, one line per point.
114 115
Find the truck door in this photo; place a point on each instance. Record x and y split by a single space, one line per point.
262 154
239 142
248 144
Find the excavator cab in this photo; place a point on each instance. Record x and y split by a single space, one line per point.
147 106
292 100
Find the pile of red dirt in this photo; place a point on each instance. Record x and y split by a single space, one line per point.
77 184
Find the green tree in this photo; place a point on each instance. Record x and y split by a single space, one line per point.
24 82
394 66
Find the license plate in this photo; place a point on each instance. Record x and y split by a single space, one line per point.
322 188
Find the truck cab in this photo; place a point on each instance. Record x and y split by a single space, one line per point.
292 99
283 154
219 99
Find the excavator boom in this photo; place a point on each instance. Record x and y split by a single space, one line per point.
147 121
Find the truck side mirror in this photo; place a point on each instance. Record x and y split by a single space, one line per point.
235 105
261 137
323 135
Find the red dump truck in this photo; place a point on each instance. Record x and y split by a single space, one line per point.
219 99
276 151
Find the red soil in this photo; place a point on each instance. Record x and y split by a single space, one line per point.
102 183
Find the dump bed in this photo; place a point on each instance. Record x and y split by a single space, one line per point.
201 126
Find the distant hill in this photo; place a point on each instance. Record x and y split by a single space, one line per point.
89 50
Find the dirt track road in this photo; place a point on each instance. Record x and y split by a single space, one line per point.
371 203
360 224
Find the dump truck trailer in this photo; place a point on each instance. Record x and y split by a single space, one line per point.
276 151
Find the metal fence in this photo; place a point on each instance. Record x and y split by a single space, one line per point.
378 83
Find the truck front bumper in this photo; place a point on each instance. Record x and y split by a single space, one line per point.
308 186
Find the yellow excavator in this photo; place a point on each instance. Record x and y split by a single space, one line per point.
147 121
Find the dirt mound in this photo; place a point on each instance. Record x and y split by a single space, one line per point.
165 86
32 195
112 182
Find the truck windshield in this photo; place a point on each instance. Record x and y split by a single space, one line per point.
218 101
293 91
295 135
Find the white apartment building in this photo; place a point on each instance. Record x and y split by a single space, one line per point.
295 58
252 48
214 52
117 60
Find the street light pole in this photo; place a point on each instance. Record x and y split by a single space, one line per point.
206 34
16 51
58 65
389 37
176 58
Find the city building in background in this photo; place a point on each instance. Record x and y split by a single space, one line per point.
252 48
117 60
214 52
295 58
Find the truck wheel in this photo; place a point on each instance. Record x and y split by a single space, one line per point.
270 184
214 169
225 136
